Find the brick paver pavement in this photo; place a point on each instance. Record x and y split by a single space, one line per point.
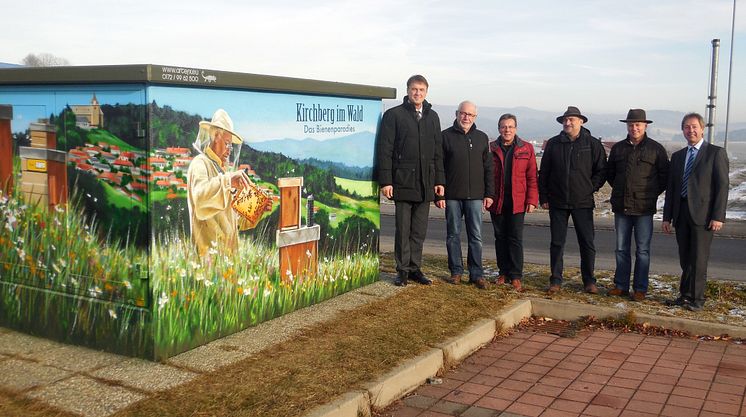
597 373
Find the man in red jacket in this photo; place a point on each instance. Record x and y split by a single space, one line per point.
516 193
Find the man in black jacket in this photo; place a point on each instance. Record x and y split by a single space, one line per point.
637 171
572 169
469 190
409 170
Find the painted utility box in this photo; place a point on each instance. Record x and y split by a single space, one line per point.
147 210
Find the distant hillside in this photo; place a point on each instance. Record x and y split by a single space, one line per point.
342 170
170 127
126 122
70 135
353 150
734 135
539 124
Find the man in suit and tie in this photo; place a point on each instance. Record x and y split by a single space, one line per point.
696 198
410 172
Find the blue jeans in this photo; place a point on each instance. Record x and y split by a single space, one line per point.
643 230
471 210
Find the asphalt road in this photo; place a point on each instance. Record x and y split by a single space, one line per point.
727 257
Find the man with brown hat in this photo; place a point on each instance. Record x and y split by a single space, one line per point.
637 172
572 169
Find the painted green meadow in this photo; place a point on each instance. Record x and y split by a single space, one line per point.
195 302
64 278
359 187
59 279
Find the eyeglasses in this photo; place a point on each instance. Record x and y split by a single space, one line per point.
469 115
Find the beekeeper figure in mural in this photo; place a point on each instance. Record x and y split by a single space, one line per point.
212 181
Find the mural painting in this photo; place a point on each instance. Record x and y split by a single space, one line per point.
148 220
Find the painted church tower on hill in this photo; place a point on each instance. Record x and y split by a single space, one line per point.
89 116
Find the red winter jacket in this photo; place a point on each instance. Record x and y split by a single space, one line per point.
525 188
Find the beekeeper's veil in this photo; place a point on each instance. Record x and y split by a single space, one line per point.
207 131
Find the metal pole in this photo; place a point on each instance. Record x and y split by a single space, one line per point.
6 150
730 76
713 90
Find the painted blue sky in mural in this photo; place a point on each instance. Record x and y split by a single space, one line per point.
261 116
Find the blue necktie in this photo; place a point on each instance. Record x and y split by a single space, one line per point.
688 169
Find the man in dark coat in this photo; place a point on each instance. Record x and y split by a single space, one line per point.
696 200
572 169
637 171
469 191
409 170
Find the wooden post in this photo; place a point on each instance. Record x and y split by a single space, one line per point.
298 244
43 168
290 195
6 150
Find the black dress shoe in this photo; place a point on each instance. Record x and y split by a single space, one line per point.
401 280
420 278
694 307
679 301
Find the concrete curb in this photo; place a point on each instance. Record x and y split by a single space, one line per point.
692 326
513 315
404 378
567 310
353 404
477 335
570 310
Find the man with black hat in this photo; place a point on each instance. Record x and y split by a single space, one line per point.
638 173
572 169
409 158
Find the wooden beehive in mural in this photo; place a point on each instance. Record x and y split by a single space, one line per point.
43 171
298 244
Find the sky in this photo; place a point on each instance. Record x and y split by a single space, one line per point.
603 56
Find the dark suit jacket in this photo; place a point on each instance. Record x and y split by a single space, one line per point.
707 187
409 153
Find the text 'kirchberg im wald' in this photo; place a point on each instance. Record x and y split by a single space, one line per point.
317 113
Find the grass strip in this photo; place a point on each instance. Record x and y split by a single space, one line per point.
14 405
332 358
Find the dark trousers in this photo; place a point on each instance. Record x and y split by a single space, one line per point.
508 229
411 228
694 252
582 220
